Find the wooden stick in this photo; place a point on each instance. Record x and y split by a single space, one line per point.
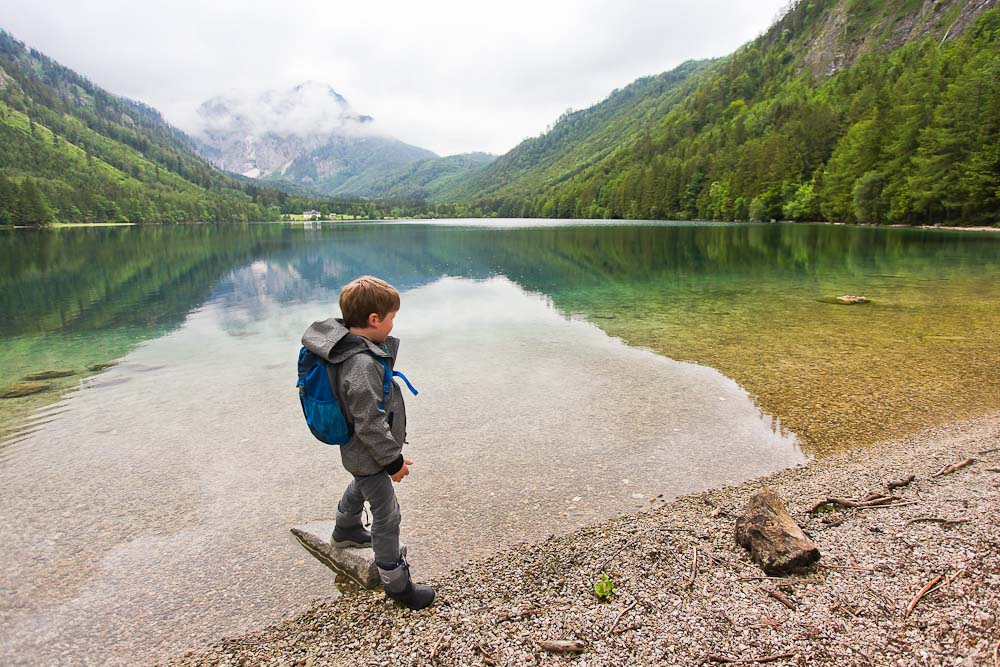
860 568
988 451
563 645
615 554
531 611
743 661
791 579
634 626
947 470
621 615
780 597
878 507
870 501
694 567
437 646
934 519
922 593
487 658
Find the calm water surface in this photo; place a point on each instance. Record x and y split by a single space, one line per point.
146 507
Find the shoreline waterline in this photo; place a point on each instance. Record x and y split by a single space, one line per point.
81 225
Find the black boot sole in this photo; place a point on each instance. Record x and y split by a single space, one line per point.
350 544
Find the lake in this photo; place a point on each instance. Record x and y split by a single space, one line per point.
569 371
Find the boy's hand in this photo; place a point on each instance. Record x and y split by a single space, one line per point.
402 472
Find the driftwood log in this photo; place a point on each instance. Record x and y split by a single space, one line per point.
774 540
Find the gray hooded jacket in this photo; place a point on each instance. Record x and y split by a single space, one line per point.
377 441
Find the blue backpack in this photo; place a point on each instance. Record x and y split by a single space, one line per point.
320 404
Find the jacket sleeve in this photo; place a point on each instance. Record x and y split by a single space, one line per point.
363 393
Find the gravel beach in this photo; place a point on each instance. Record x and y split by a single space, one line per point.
686 594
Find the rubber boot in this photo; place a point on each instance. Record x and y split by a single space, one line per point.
400 588
351 537
350 532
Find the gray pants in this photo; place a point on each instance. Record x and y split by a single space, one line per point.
377 490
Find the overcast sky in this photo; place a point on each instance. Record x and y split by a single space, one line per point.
449 75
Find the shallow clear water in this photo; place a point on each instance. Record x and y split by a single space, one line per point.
146 507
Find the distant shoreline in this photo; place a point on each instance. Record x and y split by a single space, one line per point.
68 225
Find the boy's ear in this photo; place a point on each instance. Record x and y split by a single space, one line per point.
374 319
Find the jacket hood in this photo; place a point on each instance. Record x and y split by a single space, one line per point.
331 340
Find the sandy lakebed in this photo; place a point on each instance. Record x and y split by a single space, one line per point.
686 594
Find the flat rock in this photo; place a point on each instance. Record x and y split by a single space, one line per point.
852 299
19 389
358 564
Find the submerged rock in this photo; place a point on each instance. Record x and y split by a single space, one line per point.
48 375
103 367
19 389
850 299
356 564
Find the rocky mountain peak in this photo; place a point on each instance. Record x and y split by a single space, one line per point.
836 33
306 110
307 134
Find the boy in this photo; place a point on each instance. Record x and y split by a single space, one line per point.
353 346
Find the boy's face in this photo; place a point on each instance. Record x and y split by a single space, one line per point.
378 329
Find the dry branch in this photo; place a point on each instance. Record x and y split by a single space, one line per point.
487 658
880 507
923 591
873 500
934 519
563 645
947 470
621 615
530 611
744 661
694 567
789 579
783 599
859 568
615 553
437 647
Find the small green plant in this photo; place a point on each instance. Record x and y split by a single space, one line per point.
604 588
825 508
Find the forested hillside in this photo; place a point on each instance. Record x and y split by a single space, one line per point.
72 152
435 179
845 110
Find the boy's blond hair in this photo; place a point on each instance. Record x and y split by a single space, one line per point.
366 295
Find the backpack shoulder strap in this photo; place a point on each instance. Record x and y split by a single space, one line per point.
387 375
386 380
